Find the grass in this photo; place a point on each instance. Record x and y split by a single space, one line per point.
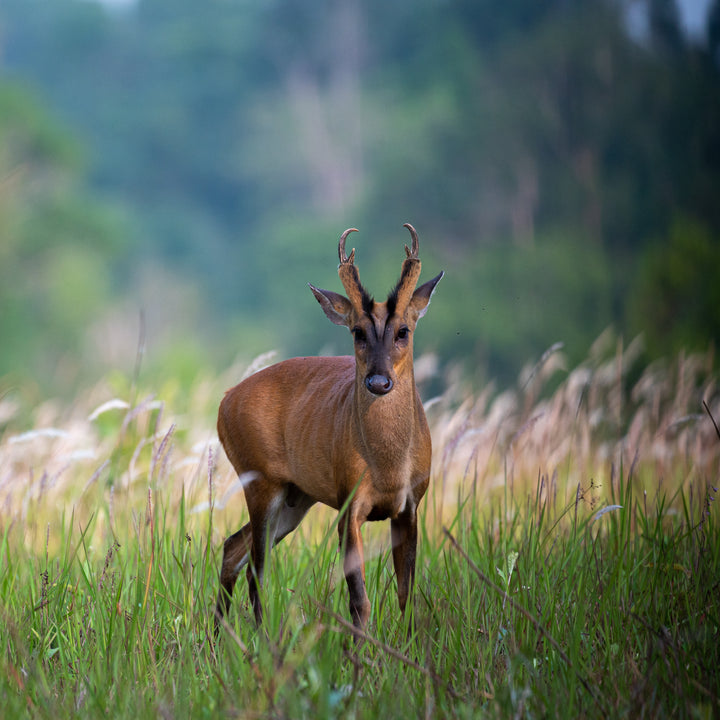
569 560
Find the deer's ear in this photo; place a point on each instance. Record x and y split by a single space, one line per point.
421 297
336 307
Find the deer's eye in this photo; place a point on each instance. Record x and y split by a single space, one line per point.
402 333
359 335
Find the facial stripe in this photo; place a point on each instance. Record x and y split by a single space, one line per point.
368 303
392 301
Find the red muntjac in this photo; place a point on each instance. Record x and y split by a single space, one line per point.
349 432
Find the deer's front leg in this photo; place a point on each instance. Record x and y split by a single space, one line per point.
403 531
354 567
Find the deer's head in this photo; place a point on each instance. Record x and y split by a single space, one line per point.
382 331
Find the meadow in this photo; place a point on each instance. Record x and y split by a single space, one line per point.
568 565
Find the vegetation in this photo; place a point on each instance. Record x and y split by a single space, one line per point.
172 173
569 560
555 160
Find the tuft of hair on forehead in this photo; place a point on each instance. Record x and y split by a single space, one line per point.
392 300
368 301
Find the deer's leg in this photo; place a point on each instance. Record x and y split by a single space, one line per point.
354 567
236 552
264 509
403 530
238 548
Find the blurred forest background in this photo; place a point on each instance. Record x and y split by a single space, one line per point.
193 164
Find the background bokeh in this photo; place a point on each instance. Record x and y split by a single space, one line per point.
177 171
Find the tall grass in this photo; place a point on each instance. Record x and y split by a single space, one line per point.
569 559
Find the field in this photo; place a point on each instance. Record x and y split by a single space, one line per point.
569 559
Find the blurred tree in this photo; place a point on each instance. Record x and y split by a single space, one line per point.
664 23
675 300
56 243
713 33
245 137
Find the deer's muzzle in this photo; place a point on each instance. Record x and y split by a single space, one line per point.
378 384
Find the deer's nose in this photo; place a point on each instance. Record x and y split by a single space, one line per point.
378 384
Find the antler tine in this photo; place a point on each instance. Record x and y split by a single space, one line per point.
344 259
415 244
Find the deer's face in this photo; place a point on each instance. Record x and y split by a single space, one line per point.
382 331
383 348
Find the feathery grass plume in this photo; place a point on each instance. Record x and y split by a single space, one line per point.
603 484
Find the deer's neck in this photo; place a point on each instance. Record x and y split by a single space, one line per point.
387 424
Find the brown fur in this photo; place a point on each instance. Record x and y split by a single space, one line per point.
313 430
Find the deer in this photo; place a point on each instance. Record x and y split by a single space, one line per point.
349 432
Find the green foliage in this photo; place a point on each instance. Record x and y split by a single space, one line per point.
522 301
676 296
29 136
56 241
534 596
243 139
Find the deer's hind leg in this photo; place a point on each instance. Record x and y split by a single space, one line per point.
272 517
236 553
241 548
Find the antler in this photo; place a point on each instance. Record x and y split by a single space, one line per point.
341 248
402 294
349 275
415 243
